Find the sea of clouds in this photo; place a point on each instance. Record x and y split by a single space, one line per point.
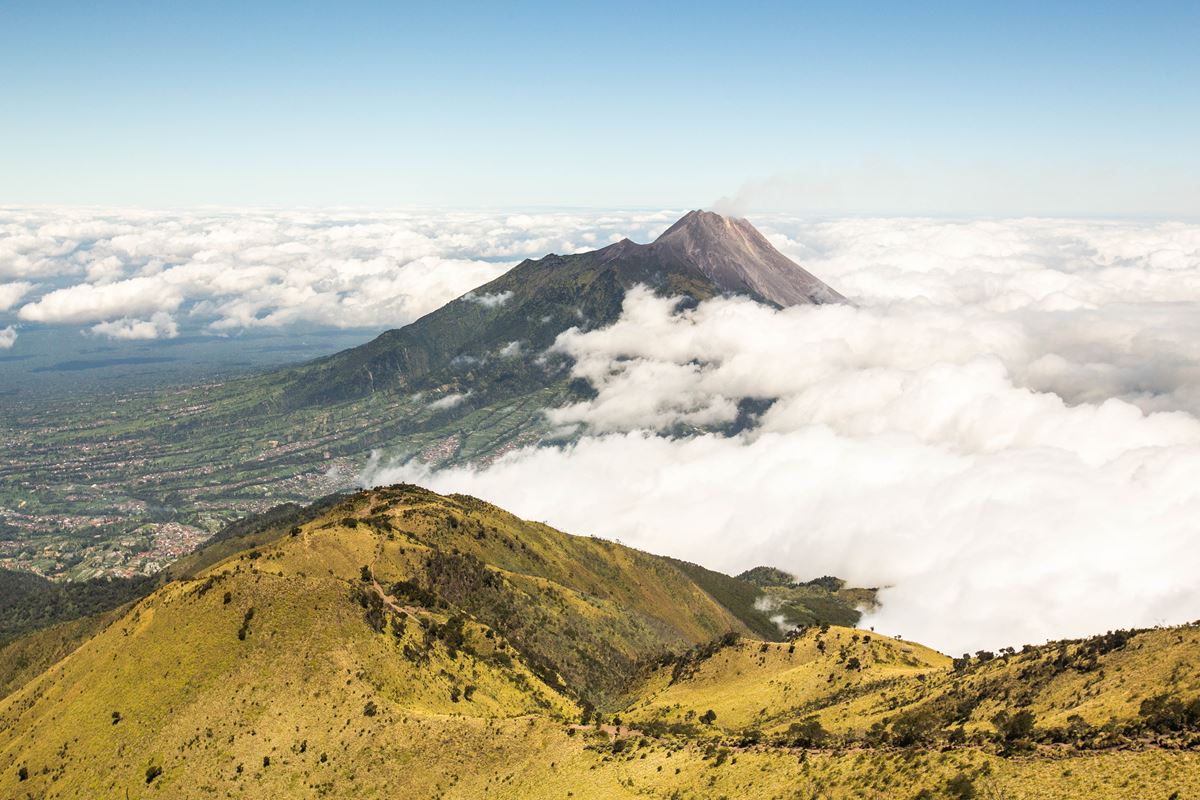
1002 429
137 274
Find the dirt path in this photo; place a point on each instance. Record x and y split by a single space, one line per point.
614 731
390 601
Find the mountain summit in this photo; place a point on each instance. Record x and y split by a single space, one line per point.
735 256
492 336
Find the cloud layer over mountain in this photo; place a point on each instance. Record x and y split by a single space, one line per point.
1002 430
1004 427
118 272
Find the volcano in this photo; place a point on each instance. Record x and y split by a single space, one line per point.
490 338
738 259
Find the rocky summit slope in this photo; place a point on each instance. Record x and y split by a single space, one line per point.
737 258
402 643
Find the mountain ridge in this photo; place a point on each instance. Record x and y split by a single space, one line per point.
403 643
702 255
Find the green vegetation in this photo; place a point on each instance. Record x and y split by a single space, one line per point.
739 596
770 602
29 602
127 485
767 576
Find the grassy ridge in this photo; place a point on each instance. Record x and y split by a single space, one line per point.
254 658
390 606
25 658
839 686
402 643
767 686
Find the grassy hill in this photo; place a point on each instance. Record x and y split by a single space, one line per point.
402 643
850 688
28 656
767 686
390 603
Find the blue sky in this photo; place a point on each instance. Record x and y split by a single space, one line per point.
955 108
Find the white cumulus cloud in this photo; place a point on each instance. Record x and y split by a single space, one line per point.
87 302
228 270
448 401
8 337
159 326
488 300
11 293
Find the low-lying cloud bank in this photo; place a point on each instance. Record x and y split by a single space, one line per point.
1002 431
117 273
1003 428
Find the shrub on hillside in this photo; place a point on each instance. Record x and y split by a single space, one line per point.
1166 714
245 629
1016 727
918 726
808 733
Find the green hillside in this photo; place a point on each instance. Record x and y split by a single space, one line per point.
402 643
392 602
